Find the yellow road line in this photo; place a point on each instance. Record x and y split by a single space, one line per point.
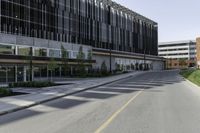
105 124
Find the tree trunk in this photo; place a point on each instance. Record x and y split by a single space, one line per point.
51 75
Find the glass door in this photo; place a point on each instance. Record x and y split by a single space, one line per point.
3 74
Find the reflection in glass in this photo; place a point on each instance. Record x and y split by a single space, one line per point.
54 53
3 74
23 50
89 22
41 52
7 49
7 74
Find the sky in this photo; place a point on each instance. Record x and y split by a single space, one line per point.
177 19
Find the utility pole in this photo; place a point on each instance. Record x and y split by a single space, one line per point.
110 59
144 59
31 64
109 30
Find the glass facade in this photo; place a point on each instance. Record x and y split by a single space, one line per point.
22 50
89 22
7 49
7 73
40 52
54 53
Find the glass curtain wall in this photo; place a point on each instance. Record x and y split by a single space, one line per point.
7 74
88 22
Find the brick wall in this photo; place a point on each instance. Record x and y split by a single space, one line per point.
177 64
198 51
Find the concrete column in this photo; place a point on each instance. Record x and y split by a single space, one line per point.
16 50
6 74
33 51
15 73
71 70
32 73
48 52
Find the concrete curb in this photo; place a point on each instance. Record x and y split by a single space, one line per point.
192 83
64 95
189 81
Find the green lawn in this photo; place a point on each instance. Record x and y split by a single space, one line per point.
192 75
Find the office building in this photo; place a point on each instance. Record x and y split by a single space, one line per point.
37 29
198 51
179 54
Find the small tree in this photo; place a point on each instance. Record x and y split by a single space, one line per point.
118 67
81 55
137 66
52 66
122 67
89 56
182 62
65 57
132 67
28 56
81 58
140 66
104 70
128 67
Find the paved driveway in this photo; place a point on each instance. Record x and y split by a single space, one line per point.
155 102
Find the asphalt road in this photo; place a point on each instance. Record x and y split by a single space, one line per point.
155 102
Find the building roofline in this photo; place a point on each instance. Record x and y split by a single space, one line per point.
176 42
117 6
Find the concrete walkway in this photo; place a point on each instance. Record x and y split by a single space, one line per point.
40 95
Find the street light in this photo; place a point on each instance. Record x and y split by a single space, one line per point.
144 58
110 59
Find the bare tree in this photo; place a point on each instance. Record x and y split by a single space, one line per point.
52 65
81 58
65 57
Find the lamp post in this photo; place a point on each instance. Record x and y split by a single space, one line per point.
109 42
31 64
144 59
110 59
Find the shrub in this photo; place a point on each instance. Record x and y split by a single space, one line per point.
104 70
125 72
140 66
137 66
118 67
5 92
33 84
132 67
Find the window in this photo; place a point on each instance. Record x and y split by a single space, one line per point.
75 54
9 71
7 49
41 52
89 22
23 50
54 53
69 54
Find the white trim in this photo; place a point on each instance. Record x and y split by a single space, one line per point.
177 42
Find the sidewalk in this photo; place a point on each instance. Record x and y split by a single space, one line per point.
42 95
